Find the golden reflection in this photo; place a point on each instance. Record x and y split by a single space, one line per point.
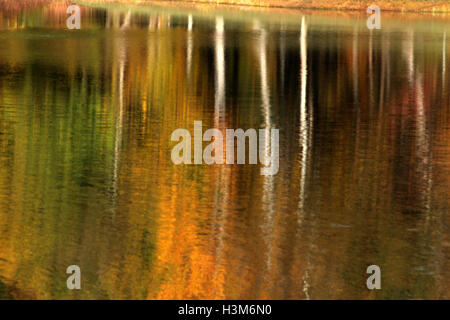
86 177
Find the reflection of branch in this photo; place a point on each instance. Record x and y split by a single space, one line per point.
282 56
444 54
119 123
126 21
305 140
222 182
423 146
268 183
384 51
219 44
303 114
355 64
189 45
190 22
408 52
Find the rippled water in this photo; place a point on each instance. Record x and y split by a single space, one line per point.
86 176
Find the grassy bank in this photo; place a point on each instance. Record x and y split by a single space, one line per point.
387 5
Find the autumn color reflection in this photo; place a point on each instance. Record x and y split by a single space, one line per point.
86 177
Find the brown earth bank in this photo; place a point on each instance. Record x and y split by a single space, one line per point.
388 5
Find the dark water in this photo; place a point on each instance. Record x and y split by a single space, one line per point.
86 176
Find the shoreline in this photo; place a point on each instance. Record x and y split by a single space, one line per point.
439 6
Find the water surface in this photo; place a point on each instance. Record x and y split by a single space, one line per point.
86 176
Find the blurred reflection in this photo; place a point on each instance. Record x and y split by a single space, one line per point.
189 45
86 176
